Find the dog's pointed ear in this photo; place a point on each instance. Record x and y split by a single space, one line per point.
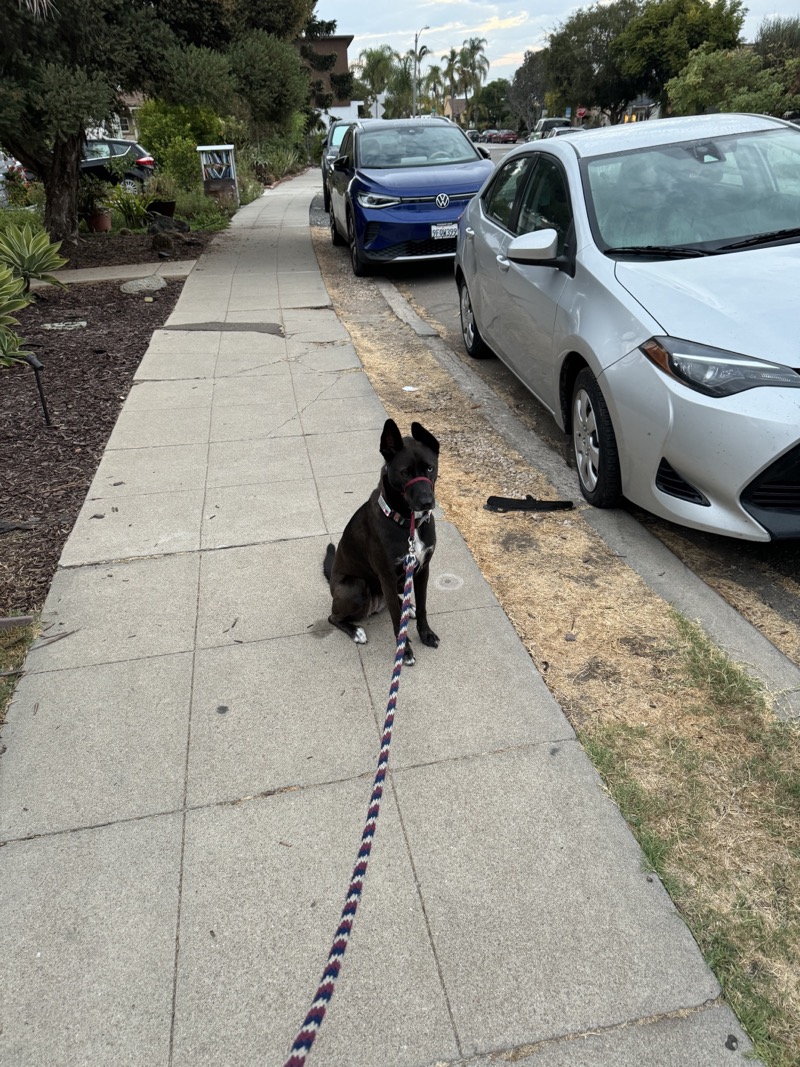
391 440
419 433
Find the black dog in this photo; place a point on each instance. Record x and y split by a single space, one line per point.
367 570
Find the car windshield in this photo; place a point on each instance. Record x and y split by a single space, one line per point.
708 193
414 146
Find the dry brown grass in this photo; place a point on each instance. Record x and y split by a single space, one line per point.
708 779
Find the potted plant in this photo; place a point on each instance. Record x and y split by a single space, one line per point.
162 190
93 204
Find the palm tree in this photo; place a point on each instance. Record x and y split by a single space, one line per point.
450 73
417 57
400 87
434 84
473 66
375 66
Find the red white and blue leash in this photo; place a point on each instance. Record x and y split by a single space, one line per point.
322 998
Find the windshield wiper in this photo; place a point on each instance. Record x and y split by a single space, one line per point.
762 239
665 251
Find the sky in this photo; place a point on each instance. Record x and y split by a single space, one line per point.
509 30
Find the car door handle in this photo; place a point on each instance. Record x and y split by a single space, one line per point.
503 263
468 230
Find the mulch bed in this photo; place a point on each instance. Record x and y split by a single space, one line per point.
111 250
45 471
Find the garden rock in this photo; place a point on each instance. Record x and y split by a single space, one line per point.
164 224
150 284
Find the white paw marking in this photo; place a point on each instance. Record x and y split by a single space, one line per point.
359 636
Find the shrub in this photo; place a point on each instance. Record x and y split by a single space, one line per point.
12 299
132 206
201 211
20 217
161 124
181 162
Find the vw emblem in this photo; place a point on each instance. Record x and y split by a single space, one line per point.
442 200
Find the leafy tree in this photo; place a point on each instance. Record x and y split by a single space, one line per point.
735 80
584 65
655 45
492 103
63 69
528 88
399 89
778 40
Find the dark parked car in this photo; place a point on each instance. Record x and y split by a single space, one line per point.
99 151
506 137
488 136
474 135
398 188
330 150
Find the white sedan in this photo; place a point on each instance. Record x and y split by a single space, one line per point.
641 280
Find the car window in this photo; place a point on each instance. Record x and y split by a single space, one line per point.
96 150
346 148
545 203
337 136
415 146
498 200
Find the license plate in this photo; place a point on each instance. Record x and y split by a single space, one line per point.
439 233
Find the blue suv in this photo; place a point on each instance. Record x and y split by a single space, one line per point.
398 187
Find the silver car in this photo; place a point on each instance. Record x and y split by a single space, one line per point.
641 280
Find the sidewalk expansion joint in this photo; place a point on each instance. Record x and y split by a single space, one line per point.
274 328
523 1052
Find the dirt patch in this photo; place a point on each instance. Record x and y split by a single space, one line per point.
89 363
115 249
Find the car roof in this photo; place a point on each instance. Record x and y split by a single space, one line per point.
398 124
632 135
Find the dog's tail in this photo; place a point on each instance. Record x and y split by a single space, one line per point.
327 566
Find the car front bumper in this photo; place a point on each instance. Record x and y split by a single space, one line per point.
406 232
729 466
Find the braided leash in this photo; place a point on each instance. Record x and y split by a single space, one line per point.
322 998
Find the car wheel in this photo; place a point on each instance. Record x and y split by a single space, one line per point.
357 261
596 455
130 185
336 237
473 342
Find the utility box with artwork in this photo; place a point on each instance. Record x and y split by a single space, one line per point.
219 171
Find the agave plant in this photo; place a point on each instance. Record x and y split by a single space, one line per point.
11 350
12 299
30 255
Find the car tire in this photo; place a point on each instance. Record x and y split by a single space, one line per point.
595 444
336 237
357 261
474 344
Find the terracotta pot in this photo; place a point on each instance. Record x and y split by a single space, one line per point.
99 221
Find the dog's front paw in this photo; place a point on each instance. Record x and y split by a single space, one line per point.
429 638
409 659
359 636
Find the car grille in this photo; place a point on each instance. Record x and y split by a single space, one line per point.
416 250
673 484
773 498
778 486
455 198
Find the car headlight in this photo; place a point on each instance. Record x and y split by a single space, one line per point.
713 371
376 200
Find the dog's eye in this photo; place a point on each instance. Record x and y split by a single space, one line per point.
404 472
430 470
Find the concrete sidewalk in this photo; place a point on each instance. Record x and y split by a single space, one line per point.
190 755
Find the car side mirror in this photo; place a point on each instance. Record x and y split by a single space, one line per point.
484 151
341 163
537 247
